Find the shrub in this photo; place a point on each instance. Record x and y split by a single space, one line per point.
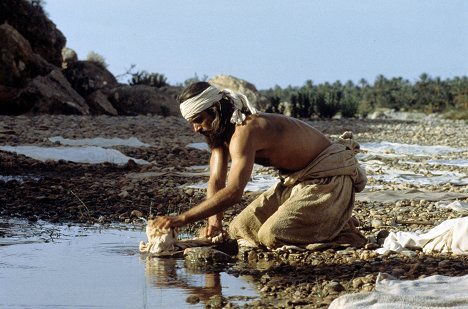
96 58
150 79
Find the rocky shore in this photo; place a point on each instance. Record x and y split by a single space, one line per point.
63 191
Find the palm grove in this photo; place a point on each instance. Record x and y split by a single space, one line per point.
429 95
325 100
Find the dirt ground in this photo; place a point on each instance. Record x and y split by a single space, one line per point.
63 191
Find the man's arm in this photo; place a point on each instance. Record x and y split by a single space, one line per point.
218 174
242 154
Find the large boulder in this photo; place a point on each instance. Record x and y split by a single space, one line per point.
51 94
241 86
33 24
87 76
99 104
142 100
18 62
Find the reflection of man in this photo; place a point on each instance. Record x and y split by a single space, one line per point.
163 272
312 203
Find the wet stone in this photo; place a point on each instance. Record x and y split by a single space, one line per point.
205 256
193 299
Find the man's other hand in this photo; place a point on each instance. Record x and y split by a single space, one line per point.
166 222
210 231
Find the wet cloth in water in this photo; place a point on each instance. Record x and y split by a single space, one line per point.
163 242
313 205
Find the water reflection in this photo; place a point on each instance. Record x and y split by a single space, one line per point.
171 273
94 267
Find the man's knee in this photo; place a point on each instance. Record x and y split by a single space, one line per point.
268 236
239 226
234 228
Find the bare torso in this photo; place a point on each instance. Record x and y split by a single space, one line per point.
282 142
268 139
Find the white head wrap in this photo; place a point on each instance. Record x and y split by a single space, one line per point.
209 96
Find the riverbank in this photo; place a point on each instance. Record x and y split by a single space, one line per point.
64 191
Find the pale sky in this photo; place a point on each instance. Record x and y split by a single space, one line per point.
271 42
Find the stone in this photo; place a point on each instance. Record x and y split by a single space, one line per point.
143 100
51 94
87 76
34 25
192 299
334 287
242 86
136 214
18 63
99 104
377 223
205 256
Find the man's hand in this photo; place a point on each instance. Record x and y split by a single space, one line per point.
210 231
165 222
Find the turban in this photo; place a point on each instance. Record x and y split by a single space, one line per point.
211 95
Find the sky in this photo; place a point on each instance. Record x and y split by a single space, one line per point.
270 42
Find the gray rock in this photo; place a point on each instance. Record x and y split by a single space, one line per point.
242 86
206 256
51 94
87 76
34 25
143 100
18 63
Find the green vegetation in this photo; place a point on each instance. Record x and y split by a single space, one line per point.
428 95
150 79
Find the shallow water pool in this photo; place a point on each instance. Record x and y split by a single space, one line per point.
50 266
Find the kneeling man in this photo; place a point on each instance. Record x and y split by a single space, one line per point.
312 202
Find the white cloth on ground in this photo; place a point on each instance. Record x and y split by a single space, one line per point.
451 236
430 292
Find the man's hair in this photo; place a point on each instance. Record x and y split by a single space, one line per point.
192 90
221 128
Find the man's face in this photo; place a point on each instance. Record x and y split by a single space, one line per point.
202 123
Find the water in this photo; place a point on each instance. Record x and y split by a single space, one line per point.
50 266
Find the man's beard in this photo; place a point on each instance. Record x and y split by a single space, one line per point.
220 136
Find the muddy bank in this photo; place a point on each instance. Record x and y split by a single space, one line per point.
63 191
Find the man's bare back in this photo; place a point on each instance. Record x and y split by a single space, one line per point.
282 142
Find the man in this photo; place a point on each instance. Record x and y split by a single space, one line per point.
314 199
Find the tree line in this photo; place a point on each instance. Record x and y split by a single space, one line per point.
427 94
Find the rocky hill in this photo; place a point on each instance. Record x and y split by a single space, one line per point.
40 75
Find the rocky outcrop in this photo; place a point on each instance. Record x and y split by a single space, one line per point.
87 76
99 104
242 86
51 94
18 62
38 74
142 99
31 22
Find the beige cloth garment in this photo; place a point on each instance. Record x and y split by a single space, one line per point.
313 205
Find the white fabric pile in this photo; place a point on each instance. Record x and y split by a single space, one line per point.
430 292
451 236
